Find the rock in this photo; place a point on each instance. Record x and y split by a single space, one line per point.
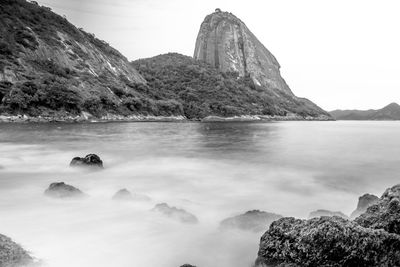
124 194
91 160
364 202
326 241
253 220
226 43
319 213
187 265
175 213
12 254
63 190
385 213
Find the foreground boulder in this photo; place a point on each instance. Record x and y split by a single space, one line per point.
319 213
364 202
384 214
326 241
91 160
63 190
254 220
175 213
125 195
12 254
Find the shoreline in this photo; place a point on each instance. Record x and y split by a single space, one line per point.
88 118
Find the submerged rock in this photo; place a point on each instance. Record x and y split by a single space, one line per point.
63 190
254 220
364 202
319 213
384 214
326 241
125 195
12 254
175 213
91 160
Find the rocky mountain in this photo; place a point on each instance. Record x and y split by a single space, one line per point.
226 43
389 112
49 68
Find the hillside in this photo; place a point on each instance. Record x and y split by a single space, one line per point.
389 112
49 67
203 90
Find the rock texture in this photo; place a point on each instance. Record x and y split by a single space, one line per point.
326 241
254 220
372 239
175 213
12 254
319 213
91 160
226 43
389 113
384 214
364 202
63 190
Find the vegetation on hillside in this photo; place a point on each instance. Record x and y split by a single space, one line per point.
202 90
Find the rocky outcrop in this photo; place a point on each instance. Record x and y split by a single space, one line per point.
384 214
12 254
226 43
175 213
254 220
372 239
364 202
326 241
126 195
63 190
319 213
91 160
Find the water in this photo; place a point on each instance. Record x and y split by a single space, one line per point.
213 170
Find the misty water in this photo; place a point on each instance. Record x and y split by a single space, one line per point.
213 170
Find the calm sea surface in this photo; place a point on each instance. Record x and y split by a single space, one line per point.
213 170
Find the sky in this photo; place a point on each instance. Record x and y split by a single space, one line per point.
340 54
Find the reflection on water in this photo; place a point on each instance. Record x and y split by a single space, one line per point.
213 170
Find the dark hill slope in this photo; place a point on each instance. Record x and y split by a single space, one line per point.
389 112
50 67
203 90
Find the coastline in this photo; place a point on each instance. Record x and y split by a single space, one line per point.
88 118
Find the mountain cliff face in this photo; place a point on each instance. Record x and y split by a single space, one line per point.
225 42
49 66
389 112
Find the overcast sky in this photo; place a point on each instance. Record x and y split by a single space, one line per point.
339 53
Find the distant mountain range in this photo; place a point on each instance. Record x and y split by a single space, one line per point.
389 112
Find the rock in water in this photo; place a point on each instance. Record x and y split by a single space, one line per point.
326 241
63 190
364 202
253 220
187 265
384 214
319 213
226 43
91 160
12 254
175 213
125 195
